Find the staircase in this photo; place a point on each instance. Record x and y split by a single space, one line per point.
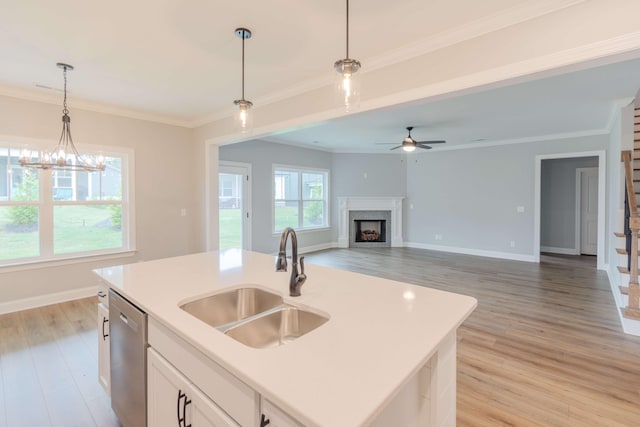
631 162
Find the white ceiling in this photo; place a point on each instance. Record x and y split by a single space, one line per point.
178 61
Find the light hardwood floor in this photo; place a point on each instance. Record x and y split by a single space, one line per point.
49 368
543 348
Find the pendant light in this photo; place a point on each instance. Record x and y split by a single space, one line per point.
347 85
65 156
242 118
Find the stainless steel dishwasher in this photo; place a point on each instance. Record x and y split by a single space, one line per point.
128 333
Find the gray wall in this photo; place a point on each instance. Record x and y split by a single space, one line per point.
470 196
558 201
262 155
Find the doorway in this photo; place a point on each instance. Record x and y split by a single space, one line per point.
234 196
569 215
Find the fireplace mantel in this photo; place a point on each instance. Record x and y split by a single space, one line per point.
393 204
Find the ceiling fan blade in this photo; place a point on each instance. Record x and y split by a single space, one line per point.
395 148
426 147
430 142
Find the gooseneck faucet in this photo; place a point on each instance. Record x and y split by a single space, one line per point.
297 278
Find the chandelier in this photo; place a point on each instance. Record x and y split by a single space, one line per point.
65 156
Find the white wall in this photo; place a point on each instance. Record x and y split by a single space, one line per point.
164 184
262 155
558 202
470 196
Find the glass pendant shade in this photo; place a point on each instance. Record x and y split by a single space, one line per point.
347 83
409 148
243 118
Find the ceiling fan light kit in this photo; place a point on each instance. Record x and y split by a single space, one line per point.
242 118
65 155
347 86
409 144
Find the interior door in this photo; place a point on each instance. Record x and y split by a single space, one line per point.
589 211
233 206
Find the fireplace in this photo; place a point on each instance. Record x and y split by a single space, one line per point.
369 209
369 229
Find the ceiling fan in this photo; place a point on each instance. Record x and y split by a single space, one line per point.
409 144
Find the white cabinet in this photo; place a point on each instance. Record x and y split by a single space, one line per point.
173 400
104 371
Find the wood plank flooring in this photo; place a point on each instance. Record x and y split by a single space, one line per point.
49 368
543 348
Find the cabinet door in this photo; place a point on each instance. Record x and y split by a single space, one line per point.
104 369
173 401
272 416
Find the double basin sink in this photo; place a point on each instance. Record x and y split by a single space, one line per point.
254 317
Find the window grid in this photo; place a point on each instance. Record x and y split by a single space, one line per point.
302 204
72 213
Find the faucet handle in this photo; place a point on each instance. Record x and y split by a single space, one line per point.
301 265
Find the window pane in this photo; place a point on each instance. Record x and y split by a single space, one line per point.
81 186
22 182
313 214
19 236
285 185
312 186
286 214
86 228
111 180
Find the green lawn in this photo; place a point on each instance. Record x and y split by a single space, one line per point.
76 229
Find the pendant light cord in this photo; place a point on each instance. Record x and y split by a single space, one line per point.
347 29
243 38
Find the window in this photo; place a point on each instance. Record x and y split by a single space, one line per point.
300 198
48 215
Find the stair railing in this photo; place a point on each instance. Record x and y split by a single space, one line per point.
633 224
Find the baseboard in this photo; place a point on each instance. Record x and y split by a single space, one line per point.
629 326
320 247
469 251
42 300
563 251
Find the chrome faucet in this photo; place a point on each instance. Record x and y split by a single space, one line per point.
297 279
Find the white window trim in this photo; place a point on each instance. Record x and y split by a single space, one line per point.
128 215
300 169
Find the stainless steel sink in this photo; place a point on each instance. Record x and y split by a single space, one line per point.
232 306
276 328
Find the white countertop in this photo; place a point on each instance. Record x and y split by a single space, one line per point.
380 332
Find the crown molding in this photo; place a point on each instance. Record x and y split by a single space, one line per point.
96 107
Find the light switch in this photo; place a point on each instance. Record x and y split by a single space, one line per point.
520 209
183 212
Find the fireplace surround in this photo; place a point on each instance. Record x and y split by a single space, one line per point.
393 225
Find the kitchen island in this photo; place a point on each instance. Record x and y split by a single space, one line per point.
385 356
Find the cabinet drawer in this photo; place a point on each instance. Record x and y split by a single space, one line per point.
103 293
235 397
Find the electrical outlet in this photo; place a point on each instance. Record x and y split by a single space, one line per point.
520 209
512 243
438 236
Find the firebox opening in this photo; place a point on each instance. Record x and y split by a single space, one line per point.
370 230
